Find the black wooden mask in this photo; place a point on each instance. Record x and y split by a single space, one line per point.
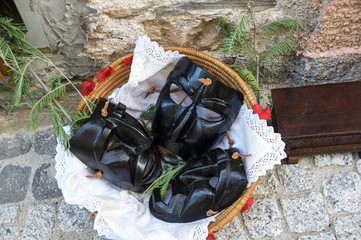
131 164
210 182
190 126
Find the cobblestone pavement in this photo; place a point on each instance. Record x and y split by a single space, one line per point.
317 199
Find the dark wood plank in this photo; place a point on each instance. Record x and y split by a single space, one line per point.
318 110
318 119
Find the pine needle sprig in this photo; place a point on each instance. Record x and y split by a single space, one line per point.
235 36
285 24
162 182
276 50
44 101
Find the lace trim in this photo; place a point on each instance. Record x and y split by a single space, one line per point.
60 162
149 54
153 49
200 233
271 158
103 229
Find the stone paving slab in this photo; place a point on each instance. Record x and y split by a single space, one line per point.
263 219
321 236
14 146
348 227
8 233
14 183
295 179
334 159
44 184
40 221
343 192
8 214
305 214
317 199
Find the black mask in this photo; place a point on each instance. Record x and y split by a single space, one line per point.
131 164
191 128
193 191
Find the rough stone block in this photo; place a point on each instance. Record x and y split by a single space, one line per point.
321 236
342 159
97 237
263 219
267 185
8 233
233 230
44 184
343 192
358 165
13 146
8 214
73 218
45 141
13 183
295 179
40 221
348 227
306 213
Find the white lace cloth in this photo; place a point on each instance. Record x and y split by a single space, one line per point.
120 214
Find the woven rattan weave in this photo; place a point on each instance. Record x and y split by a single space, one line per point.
208 63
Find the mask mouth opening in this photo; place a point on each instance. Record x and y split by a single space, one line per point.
213 181
168 194
167 156
149 166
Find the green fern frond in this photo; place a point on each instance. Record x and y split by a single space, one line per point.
21 86
7 54
59 131
147 114
227 27
55 82
78 119
278 49
235 36
249 77
11 27
245 47
285 24
44 101
162 182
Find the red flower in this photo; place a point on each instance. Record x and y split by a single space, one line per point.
248 205
128 61
87 87
210 237
265 114
105 73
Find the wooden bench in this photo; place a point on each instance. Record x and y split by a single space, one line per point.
318 119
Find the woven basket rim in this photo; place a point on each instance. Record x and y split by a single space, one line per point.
121 75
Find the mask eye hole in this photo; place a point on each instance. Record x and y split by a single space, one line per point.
178 96
208 115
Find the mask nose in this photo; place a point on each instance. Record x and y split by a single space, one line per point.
185 123
187 119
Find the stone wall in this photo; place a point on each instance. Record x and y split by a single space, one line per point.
84 36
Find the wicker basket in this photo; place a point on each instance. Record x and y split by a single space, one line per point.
211 65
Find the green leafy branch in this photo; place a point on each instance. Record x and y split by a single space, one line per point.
239 41
44 101
162 182
285 24
18 54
